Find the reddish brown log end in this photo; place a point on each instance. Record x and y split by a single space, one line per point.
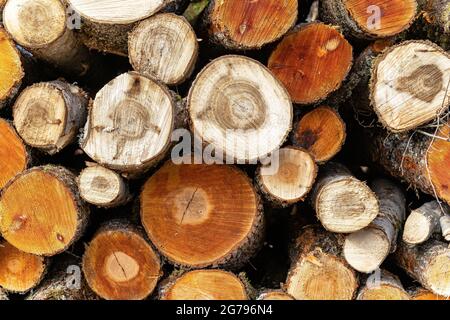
438 158
312 62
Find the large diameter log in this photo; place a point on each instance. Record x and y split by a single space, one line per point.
318 272
11 69
373 19
49 115
202 215
204 285
248 24
155 49
119 264
13 152
409 85
290 180
41 211
238 107
418 159
366 249
41 27
312 62
382 285
130 124
20 271
428 263
322 132
343 203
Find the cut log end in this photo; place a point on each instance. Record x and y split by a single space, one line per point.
438 274
409 85
312 62
19 271
119 264
12 152
240 108
50 215
155 50
254 26
205 285
186 213
322 132
383 285
293 178
423 294
275 295
438 158
422 223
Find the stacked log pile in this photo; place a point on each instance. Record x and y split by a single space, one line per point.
224 150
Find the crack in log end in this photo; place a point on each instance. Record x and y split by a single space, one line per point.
424 83
191 207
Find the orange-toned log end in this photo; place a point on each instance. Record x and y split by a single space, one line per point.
205 285
438 163
423 294
250 24
11 70
41 211
312 62
395 16
322 132
202 215
119 264
19 271
12 152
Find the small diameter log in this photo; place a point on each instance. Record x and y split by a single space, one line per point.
312 62
156 50
102 187
48 115
274 295
20 271
202 215
382 285
129 124
41 211
444 222
322 132
423 294
105 24
418 159
423 222
41 27
238 107
428 263
317 271
204 285
366 249
13 153
409 84
11 69
290 179
119 264
372 19
343 203
247 24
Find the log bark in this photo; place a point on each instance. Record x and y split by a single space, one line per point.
42 212
49 115
428 263
437 13
318 272
246 25
119 263
40 26
326 59
322 132
204 285
364 19
3 295
424 294
366 249
13 152
202 215
240 109
20 271
274 295
290 180
130 124
155 49
343 203
103 187
382 285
